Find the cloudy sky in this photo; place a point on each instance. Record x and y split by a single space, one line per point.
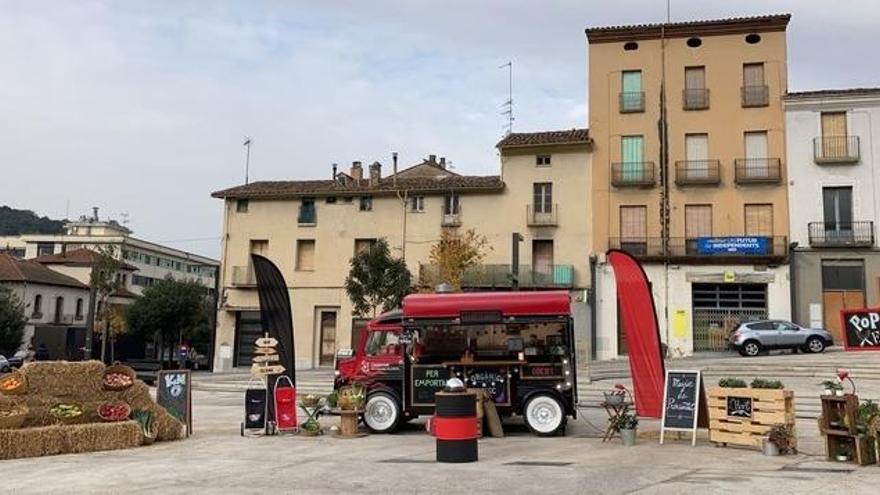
140 107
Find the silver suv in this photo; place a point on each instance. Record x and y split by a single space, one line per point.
753 337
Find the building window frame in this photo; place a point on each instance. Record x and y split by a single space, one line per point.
242 205
543 160
365 203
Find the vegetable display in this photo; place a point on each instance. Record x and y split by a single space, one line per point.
117 381
11 383
114 412
66 411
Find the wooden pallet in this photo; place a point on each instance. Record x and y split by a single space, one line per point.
769 408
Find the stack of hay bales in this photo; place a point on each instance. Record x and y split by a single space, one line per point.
81 383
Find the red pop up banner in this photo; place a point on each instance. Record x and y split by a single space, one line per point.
639 321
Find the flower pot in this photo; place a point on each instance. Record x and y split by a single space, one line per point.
843 458
613 399
828 391
628 436
769 448
838 393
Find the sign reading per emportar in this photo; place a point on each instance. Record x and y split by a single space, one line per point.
861 328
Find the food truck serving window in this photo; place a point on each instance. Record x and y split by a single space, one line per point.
443 343
383 344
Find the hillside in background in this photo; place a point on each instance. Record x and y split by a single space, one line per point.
14 222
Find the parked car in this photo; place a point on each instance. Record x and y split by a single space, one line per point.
17 359
753 337
4 364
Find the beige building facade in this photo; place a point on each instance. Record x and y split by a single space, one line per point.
689 173
311 229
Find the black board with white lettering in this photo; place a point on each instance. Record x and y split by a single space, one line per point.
861 329
739 407
681 400
426 381
174 393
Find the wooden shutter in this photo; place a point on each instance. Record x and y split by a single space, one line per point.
695 78
834 143
542 256
759 220
753 75
305 254
697 221
633 222
632 81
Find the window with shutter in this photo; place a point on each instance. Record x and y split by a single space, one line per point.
697 223
634 229
632 154
834 142
305 254
759 220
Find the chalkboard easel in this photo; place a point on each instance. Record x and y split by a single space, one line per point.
174 393
682 401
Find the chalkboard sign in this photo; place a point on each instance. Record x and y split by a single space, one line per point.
493 380
861 329
174 393
681 402
739 407
426 381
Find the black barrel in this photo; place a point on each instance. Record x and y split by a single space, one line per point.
455 426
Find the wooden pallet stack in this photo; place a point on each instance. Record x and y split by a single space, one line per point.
838 425
744 416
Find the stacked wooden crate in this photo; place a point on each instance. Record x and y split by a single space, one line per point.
838 424
744 416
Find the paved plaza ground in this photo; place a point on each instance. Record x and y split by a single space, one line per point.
216 459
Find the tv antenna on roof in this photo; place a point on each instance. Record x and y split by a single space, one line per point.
508 105
247 159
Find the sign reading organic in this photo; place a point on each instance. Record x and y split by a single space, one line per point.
733 245
739 407
426 381
173 392
861 329
681 402
493 380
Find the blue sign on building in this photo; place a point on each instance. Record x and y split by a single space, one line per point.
733 245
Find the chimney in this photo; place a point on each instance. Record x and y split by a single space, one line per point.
394 161
432 158
443 162
95 213
375 173
334 172
357 171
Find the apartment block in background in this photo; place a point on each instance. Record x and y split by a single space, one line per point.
831 148
704 204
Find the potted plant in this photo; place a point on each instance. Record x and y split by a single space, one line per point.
767 384
732 383
832 387
779 440
868 411
842 375
331 399
616 396
352 397
843 452
626 424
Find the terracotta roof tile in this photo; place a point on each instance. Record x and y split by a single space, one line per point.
544 138
299 188
76 257
819 93
15 270
733 25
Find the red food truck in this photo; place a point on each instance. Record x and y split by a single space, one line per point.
517 346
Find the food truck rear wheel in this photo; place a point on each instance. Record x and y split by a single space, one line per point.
381 413
544 415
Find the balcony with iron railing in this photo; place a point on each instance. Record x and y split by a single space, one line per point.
633 174
450 219
755 95
698 172
841 234
695 98
243 276
541 215
836 149
308 215
632 101
758 171
500 276
707 250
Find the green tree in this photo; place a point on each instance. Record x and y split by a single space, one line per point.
377 280
12 321
170 311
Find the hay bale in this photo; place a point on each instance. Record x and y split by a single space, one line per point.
83 380
167 427
51 440
138 397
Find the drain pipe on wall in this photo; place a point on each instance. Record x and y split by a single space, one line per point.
592 300
792 279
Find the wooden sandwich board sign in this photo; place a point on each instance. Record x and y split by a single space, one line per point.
174 393
682 401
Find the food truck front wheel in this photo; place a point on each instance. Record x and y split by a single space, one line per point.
381 413
544 415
